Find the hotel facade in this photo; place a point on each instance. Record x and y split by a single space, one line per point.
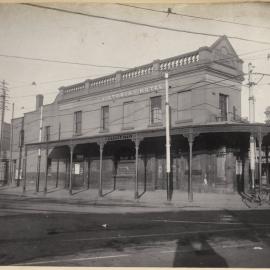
109 133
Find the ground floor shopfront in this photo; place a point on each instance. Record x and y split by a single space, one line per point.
212 158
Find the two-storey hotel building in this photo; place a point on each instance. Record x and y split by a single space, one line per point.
109 133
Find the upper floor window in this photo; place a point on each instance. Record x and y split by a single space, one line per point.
105 117
155 112
78 123
47 133
128 114
184 105
223 106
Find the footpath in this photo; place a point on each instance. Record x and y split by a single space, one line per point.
149 199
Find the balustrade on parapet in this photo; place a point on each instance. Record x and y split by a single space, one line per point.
137 72
164 65
103 81
179 61
74 88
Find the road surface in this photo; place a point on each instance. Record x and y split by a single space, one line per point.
41 233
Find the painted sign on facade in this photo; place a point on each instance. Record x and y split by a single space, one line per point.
134 92
85 101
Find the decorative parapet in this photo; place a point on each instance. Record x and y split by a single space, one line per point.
107 80
72 88
111 79
179 61
153 68
137 72
162 65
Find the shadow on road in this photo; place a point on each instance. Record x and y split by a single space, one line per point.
140 195
79 191
51 190
196 252
108 192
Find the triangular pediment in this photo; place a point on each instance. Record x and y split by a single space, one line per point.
224 51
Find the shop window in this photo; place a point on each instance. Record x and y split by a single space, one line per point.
128 114
184 105
77 123
156 112
47 133
223 106
105 118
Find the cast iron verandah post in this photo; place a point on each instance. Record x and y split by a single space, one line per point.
25 168
191 135
71 147
137 140
101 148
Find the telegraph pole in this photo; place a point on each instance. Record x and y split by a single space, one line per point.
168 141
251 120
39 150
21 143
10 147
3 108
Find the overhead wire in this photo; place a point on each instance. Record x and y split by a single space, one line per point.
140 23
230 57
54 81
199 64
59 61
53 92
193 65
112 123
135 23
193 16
189 86
115 122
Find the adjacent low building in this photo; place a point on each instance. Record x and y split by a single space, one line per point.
109 133
4 153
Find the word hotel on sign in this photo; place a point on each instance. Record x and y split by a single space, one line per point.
134 92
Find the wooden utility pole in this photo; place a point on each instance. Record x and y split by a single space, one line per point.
252 149
21 143
39 150
10 147
3 108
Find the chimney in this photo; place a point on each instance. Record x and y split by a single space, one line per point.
39 101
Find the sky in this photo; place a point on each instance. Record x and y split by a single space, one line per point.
28 31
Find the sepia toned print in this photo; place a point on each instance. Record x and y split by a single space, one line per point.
135 135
